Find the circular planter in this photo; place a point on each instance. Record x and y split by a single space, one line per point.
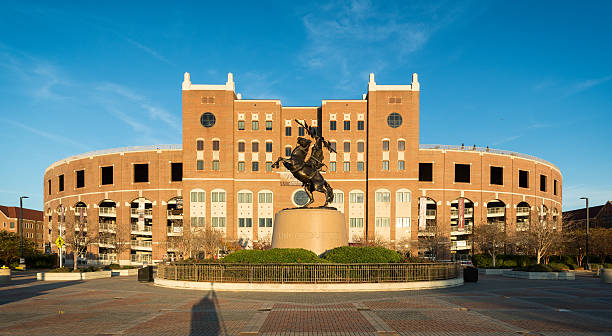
606 275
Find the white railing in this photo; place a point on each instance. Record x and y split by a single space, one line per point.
141 258
141 243
175 229
147 212
107 257
523 211
496 210
430 212
107 211
115 151
456 245
107 243
486 150
466 211
146 228
108 226
77 212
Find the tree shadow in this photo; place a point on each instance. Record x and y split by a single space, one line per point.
26 292
205 317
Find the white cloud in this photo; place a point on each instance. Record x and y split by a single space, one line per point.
49 136
589 83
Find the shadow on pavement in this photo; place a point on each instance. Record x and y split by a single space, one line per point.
205 318
9 293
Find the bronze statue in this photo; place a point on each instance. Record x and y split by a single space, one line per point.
309 171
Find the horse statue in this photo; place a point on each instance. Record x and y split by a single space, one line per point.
308 171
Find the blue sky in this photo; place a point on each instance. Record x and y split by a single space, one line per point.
529 76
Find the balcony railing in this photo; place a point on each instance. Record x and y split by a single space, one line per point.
466 212
174 213
78 213
108 226
178 230
430 213
146 228
108 243
147 212
107 257
461 245
141 258
141 243
107 211
310 273
496 211
523 211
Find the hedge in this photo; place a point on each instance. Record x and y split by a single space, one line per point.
272 256
365 255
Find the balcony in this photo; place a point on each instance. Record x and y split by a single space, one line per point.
459 245
107 212
107 258
141 258
175 230
174 214
467 212
108 227
147 212
523 211
496 212
78 213
430 214
467 229
147 230
143 245
107 243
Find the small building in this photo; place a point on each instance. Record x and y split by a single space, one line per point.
33 224
599 217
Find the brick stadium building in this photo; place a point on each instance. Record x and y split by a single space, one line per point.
388 185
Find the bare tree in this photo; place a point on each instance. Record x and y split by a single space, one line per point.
434 241
601 242
207 241
77 238
490 239
540 240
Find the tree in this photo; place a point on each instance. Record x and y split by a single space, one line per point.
490 239
434 241
76 237
575 244
207 241
10 247
539 240
600 240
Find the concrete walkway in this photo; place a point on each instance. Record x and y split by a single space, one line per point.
123 306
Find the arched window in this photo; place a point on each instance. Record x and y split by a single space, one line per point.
523 216
217 196
403 196
385 145
245 196
265 197
383 195
356 197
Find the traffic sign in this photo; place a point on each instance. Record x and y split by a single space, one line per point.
59 242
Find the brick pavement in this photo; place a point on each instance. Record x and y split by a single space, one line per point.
123 306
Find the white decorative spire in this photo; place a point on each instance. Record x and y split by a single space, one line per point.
372 78
416 86
186 81
371 83
230 82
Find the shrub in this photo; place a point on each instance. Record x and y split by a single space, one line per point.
538 268
41 261
482 260
61 270
90 269
272 256
558 267
607 265
365 254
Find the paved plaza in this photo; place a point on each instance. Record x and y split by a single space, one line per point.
123 306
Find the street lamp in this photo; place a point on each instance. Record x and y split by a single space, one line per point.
21 260
587 231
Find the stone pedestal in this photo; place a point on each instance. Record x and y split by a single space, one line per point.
314 229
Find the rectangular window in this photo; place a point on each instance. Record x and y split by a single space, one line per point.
360 125
332 125
523 179
176 169
240 165
425 171
80 178
401 145
401 165
241 125
60 183
262 222
356 197
383 196
385 146
347 166
301 131
497 175
347 125
347 147
332 166
255 166
288 131
555 187
198 221
402 196
360 146
360 166
356 222
268 147
241 146
268 166
218 222
542 182
268 125
288 151
385 165
218 196
200 145
141 172
49 187
269 222
200 165
402 222
462 173
107 175
338 198
198 196
12 225
265 197
382 222
255 147
245 197
215 145
215 165
255 125
332 144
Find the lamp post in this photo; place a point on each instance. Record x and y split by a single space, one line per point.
587 232
21 260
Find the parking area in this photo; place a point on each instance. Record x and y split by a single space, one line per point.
123 306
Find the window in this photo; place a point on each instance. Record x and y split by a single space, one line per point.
241 125
198 196
462 173
347 166
332 166
347 147
245 197
80 178
385 165
208 119
288 151
425 171
255 125
245 222
542 182
401 165
288 131
383 196
12 225
107 175
497 175
356 222
217 221
141 172
360 125
241 146
301 131
402 222
268 147
255 166
332 144
555 187
385 145
215 165
338 198
265 222
394 120
402 196
360 146
523 179
356 197
200 164
300 198
49 186
360 165
268 125
347 125
61 183
268 166
382 222
218 196
176 169
255 147
332 125
198 221
215 145
401 145
240 165
200 145
265 197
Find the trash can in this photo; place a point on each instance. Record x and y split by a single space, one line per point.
145 274
470 274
